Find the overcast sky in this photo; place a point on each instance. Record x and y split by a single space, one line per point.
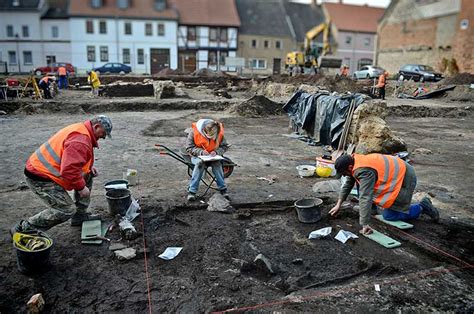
375 3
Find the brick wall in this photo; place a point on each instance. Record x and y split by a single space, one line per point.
410 33
464 39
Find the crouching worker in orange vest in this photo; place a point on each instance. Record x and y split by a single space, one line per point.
381 84
385 180
206 138
64 163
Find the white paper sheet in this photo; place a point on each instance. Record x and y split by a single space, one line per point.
210 158
343 236
170 253
320 233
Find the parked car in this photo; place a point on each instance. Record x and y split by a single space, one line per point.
368 71
114 68
418 73
53 68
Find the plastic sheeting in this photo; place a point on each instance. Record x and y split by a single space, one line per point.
321 115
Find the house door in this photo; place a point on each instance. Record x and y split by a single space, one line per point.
159 59
187 62
276 66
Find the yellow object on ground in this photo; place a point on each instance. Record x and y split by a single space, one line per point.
29 242
323 172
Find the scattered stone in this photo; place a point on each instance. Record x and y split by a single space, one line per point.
297 261
376 137
422 151
117 246
243 214
35 304
222 93
218 203
164 89
125 254
262 262
327 186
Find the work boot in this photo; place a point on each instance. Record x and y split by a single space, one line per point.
191 197
23 227
78 218
428 209
225 194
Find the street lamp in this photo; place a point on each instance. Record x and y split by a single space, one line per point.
18 51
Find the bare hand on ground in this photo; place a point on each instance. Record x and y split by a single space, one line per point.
334 211
85 192
366 230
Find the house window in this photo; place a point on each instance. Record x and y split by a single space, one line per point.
54 31
10 31
140 56
91 53
148 29
102 27
278 44
161 29
258 63
50 60
266 44
367 41
104 53
27 58
89 27
213 34
212 58
128 28
223 35
25 31
96 3
160 5
126 55
122 4
191 33
223 55
348 40
12 57
254 43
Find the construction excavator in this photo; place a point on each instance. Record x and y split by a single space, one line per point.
313 58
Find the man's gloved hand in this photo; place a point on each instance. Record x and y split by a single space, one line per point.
85 192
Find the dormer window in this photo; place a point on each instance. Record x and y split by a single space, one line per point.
16 3
160 5
96 3
123 4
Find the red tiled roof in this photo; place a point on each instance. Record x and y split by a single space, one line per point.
138 9
207 12
355 18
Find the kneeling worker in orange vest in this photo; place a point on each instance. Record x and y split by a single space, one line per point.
381 84
206 138
61 164
385 180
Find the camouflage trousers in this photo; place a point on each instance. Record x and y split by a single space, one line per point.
61 205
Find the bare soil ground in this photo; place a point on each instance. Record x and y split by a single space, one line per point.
431 271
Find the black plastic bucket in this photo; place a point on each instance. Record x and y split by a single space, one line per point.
120 181
33 262
309 209
119 201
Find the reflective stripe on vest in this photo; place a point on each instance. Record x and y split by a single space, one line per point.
47 158
390 174
203 142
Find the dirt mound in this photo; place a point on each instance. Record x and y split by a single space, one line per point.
209 73
257 106
461 93
168 71
459 79
332 83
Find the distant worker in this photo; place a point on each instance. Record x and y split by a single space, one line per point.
381 84
63 163
45 83
345 70
93 80
385 180
206 138
62 73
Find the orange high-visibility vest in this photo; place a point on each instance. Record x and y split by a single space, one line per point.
381 82
45 79
47 158
203 142
62 71
390 173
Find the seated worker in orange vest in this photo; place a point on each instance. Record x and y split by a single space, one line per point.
44 85
381 84
206 138
63 163
385 180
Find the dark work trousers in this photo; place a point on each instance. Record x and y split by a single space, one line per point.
45 87
382 92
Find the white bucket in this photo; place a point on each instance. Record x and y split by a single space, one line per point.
131 175
306 170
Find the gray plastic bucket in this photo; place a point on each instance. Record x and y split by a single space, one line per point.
119 201
309 209
112 183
